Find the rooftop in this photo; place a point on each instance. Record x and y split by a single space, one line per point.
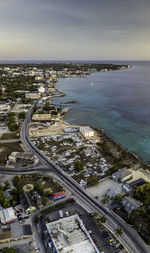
70 235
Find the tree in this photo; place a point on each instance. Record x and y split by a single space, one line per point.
22 115
6 203
9 250
47 106
118 231
78 166
103 218
118 198
92 180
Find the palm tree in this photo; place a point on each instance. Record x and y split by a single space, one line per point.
118 231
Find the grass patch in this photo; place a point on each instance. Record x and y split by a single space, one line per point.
7 136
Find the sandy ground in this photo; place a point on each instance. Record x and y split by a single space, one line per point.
140 174
101 189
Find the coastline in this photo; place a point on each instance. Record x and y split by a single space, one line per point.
133 156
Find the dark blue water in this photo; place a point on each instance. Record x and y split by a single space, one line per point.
117 101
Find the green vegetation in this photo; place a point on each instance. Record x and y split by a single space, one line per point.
92 180
22 115
140 218
3 201
9 250
105 200
103 218
52 208
118 231
78 166
118 198
12 125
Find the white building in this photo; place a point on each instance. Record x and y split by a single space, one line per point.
41 89
12 157
70 235
87 132
7 215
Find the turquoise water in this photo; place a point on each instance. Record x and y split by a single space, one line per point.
118 102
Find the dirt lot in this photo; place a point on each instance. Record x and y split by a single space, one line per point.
101 189
6 149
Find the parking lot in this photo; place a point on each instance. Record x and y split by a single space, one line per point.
96 234
102 188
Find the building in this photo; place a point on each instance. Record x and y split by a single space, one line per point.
26 203
126 187
59 195
33 95
138 182
122 175
17 108
7 215
115 190
70 235
130 204
41 89
25 156
87 132
12 157
41 117
4 108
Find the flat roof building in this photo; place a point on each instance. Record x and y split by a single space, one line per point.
87 132
122 175
7 215
70 235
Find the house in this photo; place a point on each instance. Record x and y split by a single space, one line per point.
126 187
59 195
87 132
130 204
26 203
122 175
12 157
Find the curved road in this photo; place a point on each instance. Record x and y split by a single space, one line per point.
130 237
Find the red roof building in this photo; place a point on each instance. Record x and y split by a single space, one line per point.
58 195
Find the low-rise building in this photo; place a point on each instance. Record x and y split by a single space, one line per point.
17 108
130 204
87 132
41 89
41 117
12 157
122 175
126 187
26 203
137 183
7 215
4 108
33 95
70 235
59 195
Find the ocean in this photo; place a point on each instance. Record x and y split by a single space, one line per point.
116 101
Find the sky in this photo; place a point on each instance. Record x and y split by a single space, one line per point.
74 30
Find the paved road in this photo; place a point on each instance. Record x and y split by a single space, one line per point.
130 238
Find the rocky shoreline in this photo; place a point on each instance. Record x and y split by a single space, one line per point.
130 159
